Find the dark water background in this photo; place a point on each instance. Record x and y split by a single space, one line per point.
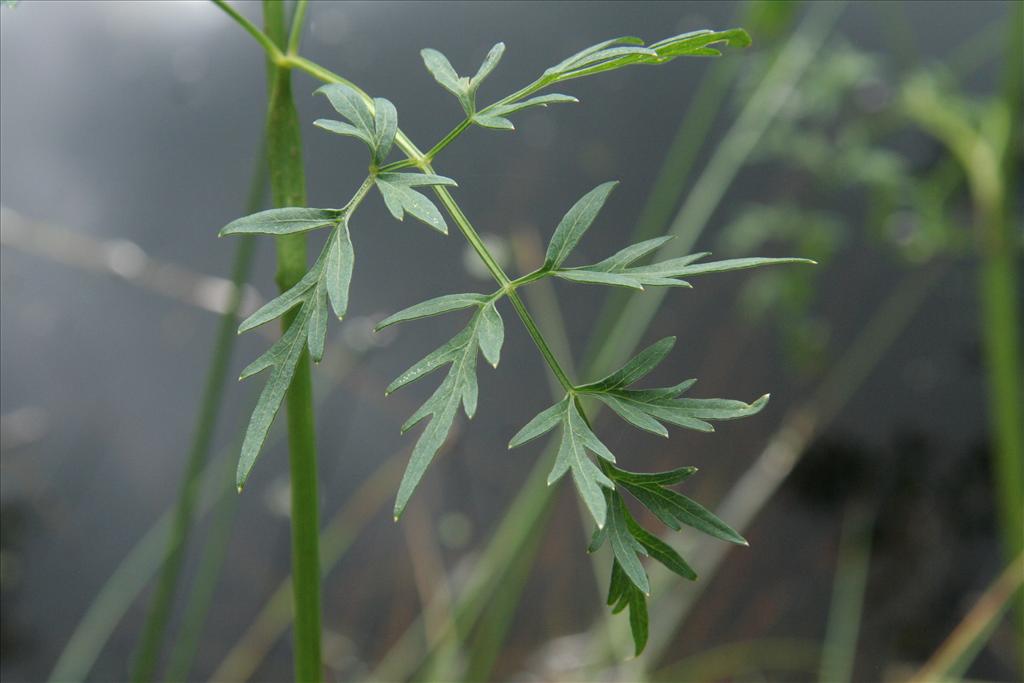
140 122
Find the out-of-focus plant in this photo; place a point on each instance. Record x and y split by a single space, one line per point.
308 296
842 135
984 136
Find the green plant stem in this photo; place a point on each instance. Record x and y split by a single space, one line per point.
422 161
466 612
448 139
495 621
288 187
988 155
848 586
496 271
1001 312
817 25
206 422
202 596
786 71
337 537
273 52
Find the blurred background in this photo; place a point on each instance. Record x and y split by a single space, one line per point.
875 489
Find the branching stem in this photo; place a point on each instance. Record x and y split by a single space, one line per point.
415 157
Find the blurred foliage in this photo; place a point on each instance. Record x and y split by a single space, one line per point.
837 144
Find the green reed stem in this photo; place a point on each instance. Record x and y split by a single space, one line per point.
1001 314
288 187
201 598
988 154
847 606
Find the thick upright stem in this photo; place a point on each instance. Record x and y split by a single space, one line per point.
999 288
288 187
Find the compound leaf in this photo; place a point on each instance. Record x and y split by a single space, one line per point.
351 105
541 424
342 128
655 478
576 222
675 509
317 334
439 66
617 269
622 594
284 361
435 306
415 179
275 354
572 456
385 126
285 221
458 386
539 101
636 368
592 277
492 121
400 198
491 334
624 546
283 302
490 61
660 551
340 262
